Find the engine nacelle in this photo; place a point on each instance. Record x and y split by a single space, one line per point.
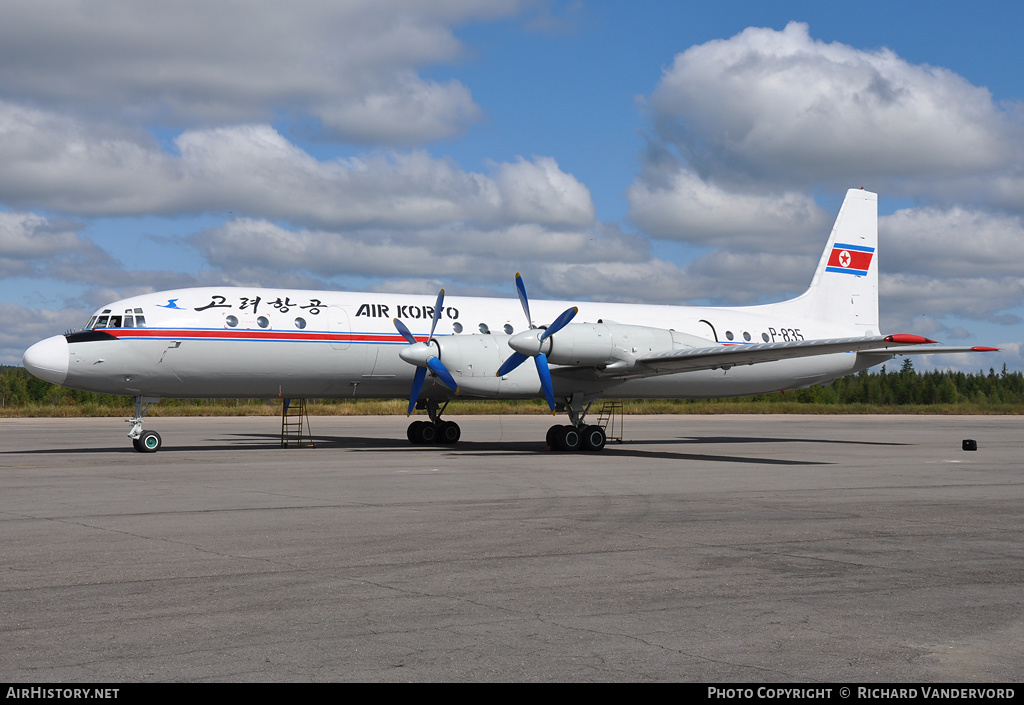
472 360
603 344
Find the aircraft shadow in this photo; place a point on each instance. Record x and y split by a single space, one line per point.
633 448
490 448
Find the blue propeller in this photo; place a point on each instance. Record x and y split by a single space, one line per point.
423 356
530 343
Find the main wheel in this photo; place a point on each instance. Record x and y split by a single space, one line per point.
594 438
552 437
569 439
148 442
422 433
449 433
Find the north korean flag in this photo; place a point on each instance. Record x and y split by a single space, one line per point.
850 259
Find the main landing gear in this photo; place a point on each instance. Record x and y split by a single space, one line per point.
577 435
436 430
573 438
144 441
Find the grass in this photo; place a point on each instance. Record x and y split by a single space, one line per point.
397 407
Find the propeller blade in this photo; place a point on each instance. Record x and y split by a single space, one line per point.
540 359
514 360
419 354
560 322
521 289
438 368
404 330
417 385
437 311
545 380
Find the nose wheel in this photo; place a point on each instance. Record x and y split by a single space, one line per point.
148 442
143 441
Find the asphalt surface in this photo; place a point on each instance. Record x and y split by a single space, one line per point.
707 548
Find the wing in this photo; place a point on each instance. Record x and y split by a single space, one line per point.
726 356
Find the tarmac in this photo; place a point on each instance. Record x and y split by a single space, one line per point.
718 549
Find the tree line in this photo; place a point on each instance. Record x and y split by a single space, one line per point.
906 387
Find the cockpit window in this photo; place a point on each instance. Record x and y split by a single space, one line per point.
132 318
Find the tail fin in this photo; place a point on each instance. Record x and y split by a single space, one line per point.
844 289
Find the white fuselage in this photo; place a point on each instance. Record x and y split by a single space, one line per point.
250 342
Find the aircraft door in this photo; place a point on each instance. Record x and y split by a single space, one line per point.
339 327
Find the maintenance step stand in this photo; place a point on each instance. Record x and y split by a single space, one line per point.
611 410
293 417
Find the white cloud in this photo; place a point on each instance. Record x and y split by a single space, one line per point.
27 235
689 209
57 163
908 296
196 61
539 192
779 105
33 246
411 111
953 242
248 247
21 326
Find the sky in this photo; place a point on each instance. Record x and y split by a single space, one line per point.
660 152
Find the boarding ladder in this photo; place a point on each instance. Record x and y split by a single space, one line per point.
293 420
611 411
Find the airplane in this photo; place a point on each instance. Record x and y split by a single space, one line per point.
221 342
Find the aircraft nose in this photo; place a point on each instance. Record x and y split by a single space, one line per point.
48 359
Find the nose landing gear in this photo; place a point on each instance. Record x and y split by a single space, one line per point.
144 441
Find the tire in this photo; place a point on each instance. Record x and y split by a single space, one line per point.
421 433
449 433
148 442
552 437
426 433
569 439
594 438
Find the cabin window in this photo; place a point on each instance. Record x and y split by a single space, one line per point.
231 321
484 329
300 323
764 337
262 322
508 329
746 336
729 335
457 327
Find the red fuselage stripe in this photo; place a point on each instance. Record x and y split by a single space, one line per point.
265 335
